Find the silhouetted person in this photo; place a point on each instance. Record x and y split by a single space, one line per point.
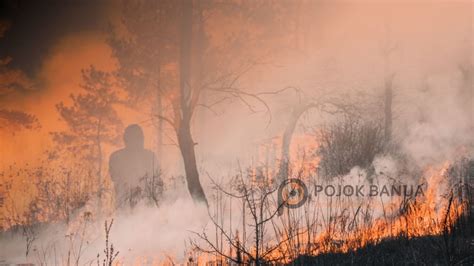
130 166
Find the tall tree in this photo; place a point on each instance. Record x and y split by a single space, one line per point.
187 103
91 122
145 44
388 48
169 51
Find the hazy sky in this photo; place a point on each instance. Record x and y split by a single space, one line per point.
338 50
36 26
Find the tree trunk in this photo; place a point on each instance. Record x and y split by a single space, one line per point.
159 129
388 107
185 139
99 165
286 140
159 94
186 145
466 94
388 49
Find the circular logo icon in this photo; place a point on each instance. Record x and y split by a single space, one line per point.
292 193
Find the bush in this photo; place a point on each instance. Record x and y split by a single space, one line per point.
347 144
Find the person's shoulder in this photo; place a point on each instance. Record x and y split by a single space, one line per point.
116 154
148 153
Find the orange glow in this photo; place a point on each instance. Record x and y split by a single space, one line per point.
251 64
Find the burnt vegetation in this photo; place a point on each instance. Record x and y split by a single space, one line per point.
175 67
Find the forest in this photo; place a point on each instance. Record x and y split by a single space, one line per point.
233 132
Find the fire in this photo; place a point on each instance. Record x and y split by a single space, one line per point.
302 156
352 224
337 226
432 213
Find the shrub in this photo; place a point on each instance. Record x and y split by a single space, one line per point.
347 144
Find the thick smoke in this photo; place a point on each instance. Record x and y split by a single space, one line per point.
433 120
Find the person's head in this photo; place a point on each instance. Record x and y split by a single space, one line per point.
133 137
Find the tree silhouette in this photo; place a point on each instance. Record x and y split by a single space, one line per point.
168 59
91 122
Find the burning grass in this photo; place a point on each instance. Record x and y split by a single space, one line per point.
245 227
352 225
